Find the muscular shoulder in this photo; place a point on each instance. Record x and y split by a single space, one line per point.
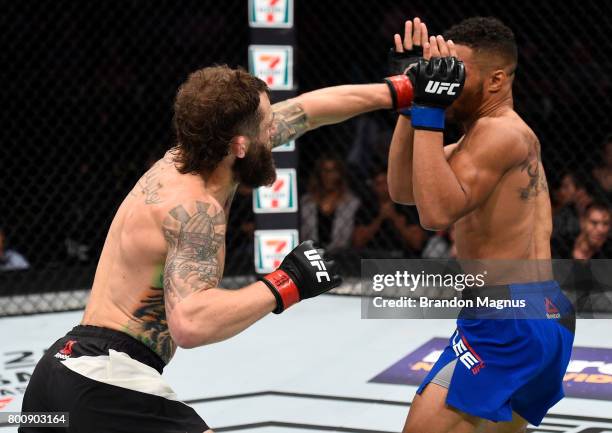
500 140
183 194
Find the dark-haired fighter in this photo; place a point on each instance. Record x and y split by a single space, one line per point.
156 285
491 185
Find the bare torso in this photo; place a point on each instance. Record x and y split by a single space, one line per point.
127 293
514 221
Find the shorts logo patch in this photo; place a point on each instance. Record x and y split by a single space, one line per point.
468 357
66 351
552 312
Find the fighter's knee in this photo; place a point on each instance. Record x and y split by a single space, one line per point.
209 431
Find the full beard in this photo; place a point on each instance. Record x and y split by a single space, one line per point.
256 168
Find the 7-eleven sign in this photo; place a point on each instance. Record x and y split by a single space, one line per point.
280 197
271 247
273 64
271 13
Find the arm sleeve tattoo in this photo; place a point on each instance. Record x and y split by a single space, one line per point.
194 242
290 122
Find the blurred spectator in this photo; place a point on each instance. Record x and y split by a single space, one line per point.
10 260
441 245
571 200
239 234
385 229
565 193
328 209
603 172
592 241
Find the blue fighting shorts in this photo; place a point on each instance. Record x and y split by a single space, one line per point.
500 361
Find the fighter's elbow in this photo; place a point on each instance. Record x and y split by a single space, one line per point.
400 195
183 340
434 221
180 331
186 332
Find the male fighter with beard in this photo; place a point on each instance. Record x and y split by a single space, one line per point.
495 375
156 285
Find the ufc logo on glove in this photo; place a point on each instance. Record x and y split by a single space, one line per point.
315 260
295 279
438 87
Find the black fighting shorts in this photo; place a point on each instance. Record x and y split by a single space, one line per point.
108 382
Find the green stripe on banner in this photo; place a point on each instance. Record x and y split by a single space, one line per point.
291 190
287 66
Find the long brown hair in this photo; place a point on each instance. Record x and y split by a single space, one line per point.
212 106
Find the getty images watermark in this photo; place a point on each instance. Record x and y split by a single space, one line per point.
493 289
423 281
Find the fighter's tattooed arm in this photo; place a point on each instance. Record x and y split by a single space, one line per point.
195 240
326 106
537 178
290 122
195 235
196 309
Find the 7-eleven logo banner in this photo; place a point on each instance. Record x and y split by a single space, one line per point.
273 64
281 196
271 247
271 13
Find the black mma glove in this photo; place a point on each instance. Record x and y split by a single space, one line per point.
437 84
304 273
399 84
400 62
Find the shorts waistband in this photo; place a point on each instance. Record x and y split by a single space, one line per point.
121 342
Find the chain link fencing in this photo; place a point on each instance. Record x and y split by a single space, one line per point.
88 91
